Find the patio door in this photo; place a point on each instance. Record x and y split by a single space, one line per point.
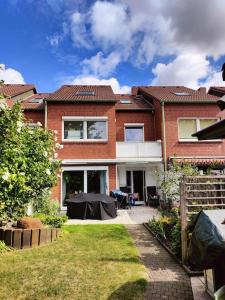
136 182
87 181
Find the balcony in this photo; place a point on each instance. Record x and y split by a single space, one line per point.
139 151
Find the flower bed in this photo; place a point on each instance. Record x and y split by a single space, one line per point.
28 238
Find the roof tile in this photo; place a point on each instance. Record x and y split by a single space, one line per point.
12 90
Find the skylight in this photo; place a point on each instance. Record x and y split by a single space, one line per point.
85 93
36 100
125 101
182 94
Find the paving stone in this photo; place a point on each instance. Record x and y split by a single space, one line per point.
167 280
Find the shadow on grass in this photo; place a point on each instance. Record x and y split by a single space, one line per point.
132 290
135 260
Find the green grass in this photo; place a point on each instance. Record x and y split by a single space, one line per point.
87 262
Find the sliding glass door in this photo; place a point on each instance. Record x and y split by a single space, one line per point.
87 181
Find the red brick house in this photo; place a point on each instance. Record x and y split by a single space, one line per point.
180 112
121 141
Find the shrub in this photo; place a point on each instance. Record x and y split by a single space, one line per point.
4 248
157 227
27 162
52 221
176 239
45 205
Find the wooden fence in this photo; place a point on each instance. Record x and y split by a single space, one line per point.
28 238
197 193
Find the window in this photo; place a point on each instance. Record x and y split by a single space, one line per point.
36 100
189 126
125 101
73 130
134 133
85 93
87 129
96 130
182 94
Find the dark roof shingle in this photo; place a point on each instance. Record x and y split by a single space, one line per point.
101 93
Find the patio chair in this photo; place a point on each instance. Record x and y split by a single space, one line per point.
152 196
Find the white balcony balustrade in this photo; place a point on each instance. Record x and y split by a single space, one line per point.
139 151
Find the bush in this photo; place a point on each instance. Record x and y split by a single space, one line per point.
168 229
44 205
52 221
4 248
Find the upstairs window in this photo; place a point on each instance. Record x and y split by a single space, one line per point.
93 129
186 127
134 132
85 93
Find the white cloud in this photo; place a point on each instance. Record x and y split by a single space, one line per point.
91 80
10 75
99 65
79 32
57 38
184 70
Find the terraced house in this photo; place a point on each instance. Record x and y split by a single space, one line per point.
122 141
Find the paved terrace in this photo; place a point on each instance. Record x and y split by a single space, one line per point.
135 215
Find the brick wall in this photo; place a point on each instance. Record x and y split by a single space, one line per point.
145 117
82 150
174 147
35 116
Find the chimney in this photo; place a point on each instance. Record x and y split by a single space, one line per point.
202 90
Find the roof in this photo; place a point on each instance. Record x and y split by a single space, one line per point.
215 131
217 91
101 93
136 103
12 90
178 94
27 104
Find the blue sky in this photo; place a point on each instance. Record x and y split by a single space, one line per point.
122 43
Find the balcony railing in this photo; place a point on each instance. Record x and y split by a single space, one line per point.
139 150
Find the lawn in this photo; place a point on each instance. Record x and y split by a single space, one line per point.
87 262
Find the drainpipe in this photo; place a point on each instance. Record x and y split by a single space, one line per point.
164 137
46 115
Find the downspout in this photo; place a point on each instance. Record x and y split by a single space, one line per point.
46 115
164 137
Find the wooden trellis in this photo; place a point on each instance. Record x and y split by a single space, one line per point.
197 193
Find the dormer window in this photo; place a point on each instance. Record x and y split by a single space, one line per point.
85 93
125 101
36 100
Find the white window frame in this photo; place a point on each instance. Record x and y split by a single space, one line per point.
127 125
84 120
85 170
197 120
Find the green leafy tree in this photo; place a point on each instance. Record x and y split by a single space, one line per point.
27 162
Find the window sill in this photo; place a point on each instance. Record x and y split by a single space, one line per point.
84 141
200 141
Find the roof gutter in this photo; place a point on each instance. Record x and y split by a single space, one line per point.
46 114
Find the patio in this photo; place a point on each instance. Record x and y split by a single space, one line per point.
133 216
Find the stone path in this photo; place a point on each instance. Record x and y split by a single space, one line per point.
167 280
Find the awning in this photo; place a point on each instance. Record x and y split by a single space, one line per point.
215 131
200 161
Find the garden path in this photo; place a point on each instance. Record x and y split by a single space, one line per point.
167 280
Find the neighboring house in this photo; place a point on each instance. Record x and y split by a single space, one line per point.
122 141
218 91
180 112
17 92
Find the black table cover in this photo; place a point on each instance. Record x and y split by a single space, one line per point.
91 206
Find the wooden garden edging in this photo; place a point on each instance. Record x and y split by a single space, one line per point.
28 238
197 193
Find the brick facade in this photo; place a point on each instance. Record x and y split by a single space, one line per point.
84 150
145 117
35 116
198 148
